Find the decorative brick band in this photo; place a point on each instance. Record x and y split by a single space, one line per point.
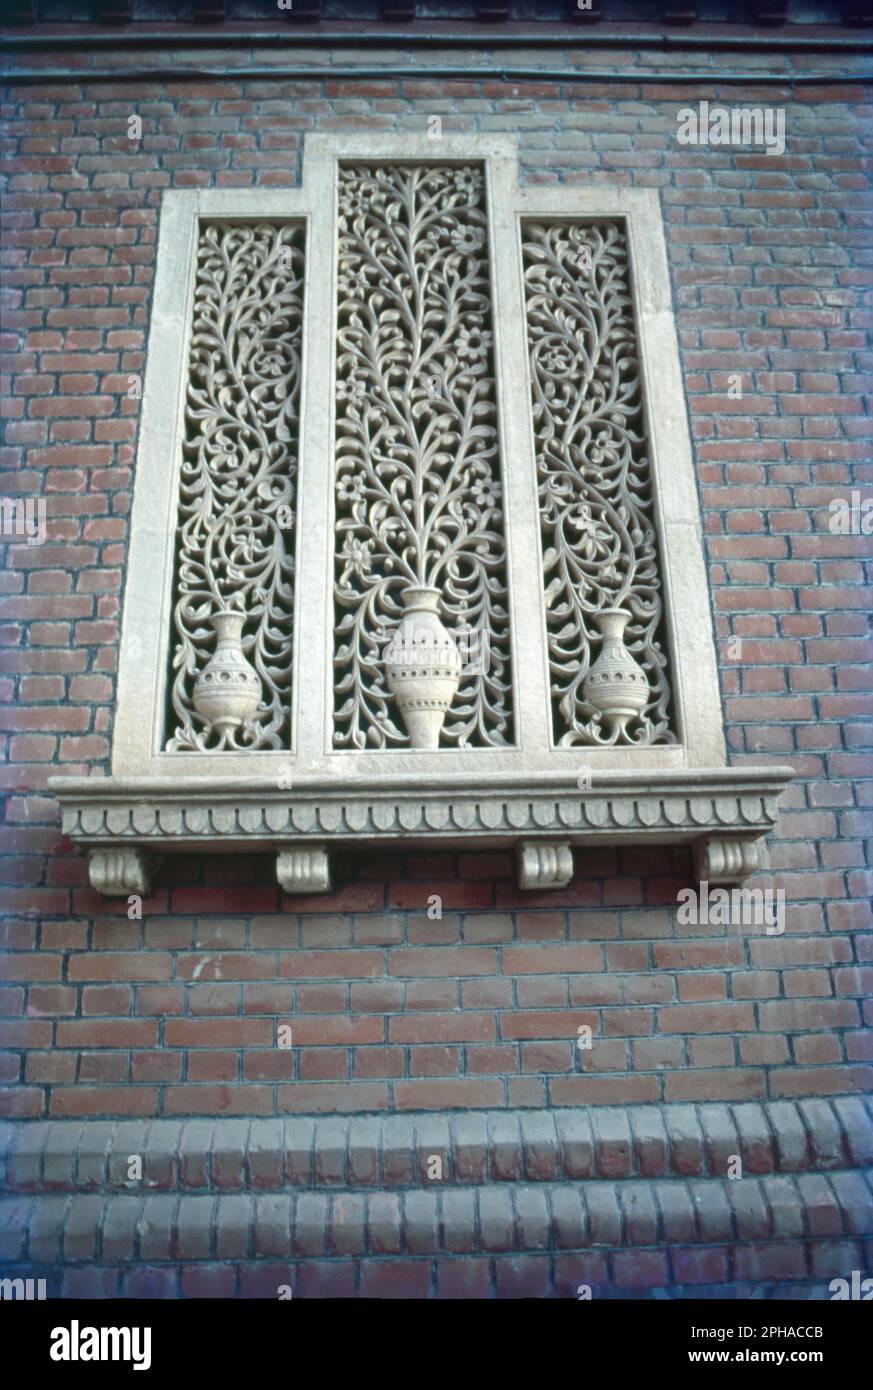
489 1219
394 1151
521 1203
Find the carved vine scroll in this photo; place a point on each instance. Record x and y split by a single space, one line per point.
237 486
599 546
418 488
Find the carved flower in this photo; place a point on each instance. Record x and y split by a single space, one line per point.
357 200
485 492
269 364
351 284
350 488
558 359
601 448
467 239
357 556
467 181
353 390
473 342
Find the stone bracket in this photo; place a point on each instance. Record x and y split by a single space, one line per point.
544 866
305 870
117 872
722 860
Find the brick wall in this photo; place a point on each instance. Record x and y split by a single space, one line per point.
176 1015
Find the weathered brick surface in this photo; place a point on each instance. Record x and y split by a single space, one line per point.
456 1037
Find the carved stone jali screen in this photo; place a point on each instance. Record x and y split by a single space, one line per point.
419 488
416 550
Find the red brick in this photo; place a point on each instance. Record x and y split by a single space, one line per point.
117 965
707 1018
434 1061
392 1278
547 960
736 1085
218 1100
548 1023
378 1061
465 960
104 1100
441 1028
603 1090
460 1093
308 1098
464 1278
310 965
107 1033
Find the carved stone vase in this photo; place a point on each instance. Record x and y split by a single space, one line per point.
423 667
616 684
228 689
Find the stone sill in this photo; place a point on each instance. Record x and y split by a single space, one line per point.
724 814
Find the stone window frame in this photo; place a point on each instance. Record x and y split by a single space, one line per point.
529 795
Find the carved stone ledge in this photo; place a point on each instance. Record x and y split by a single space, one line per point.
304 870
544 866
118 872
727 861
722 813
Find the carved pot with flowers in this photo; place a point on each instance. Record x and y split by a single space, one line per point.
422 666
228 690
616 684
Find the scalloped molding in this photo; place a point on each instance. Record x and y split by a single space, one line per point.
723 815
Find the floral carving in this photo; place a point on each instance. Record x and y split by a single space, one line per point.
594 478
418 497
236 494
